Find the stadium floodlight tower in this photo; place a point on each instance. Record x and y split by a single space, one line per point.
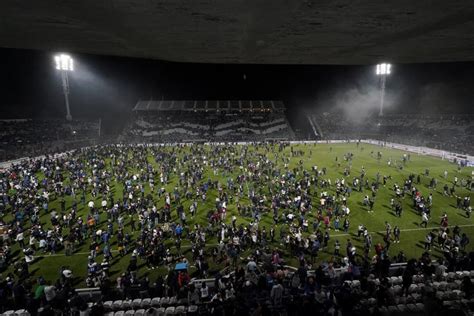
382 70
65 64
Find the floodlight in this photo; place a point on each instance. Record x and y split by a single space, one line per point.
64 62
383 69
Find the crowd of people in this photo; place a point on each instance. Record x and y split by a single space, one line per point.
446 132
35 137
177 126
151 204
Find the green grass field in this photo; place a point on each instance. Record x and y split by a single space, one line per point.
48 265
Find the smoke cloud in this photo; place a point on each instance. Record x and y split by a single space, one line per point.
357 103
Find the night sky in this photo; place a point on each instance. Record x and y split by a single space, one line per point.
110 86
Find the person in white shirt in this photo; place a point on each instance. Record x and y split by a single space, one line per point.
424 219
251 265
21 239
276 294
204 292
49 292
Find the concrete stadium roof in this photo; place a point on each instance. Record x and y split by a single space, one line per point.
246 31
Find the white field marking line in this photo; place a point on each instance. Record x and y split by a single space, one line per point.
337 235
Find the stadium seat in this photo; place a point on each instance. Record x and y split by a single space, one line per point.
164 301
393 280
397 289
119 313
180 310
22 312
117 305
453 285
9 313
457 294
398 280
416 297
392 309
127 304
451 276
140 312
411 307
173 300
410 299
418 278
440 295
402 308
443 285
108 305
447 303
169 310
183 301
84 312
192 309
383 310
421 287
146 303
129 312
420 307
136 303
413 288
155 302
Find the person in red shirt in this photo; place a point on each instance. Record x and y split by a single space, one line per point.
378 249
183 279
444 221
327 222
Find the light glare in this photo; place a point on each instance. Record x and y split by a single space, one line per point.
64 62
383 69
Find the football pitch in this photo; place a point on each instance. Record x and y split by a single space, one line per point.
321 155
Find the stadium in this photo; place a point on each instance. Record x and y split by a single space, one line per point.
236 159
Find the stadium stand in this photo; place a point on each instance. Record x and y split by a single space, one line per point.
448 132
208 120
417 288
21 138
